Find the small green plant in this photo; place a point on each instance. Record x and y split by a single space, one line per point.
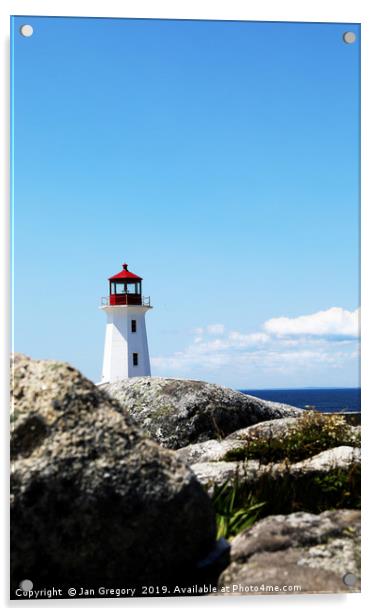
340 487
238 506
312 433
235 509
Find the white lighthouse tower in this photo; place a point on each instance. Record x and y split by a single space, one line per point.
126 347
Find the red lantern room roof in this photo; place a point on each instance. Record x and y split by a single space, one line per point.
125 275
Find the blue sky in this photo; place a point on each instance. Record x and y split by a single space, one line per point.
221 161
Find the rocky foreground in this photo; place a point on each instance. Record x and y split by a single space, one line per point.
100 497
93 499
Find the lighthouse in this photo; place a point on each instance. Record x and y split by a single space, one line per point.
126 346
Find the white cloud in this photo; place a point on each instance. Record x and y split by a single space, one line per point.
244 340
216 329
331 322
319 342
274 360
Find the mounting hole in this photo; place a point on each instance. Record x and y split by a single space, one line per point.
349 37
26 30
349 579
26 585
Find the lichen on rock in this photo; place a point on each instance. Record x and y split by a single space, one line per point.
311 552
179 412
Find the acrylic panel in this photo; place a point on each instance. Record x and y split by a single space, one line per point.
185 268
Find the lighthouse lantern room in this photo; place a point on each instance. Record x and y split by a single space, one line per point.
126 346
125 288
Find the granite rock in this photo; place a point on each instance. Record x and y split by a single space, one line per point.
310 552
93 500
178 412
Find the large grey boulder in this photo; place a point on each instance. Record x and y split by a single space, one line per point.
94 501
311 552
178 412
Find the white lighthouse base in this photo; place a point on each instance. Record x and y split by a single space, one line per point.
126 352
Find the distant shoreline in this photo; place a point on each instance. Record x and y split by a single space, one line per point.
324 399
297 388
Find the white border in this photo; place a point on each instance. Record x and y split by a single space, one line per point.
361 11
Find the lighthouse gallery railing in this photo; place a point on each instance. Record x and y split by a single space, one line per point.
145 301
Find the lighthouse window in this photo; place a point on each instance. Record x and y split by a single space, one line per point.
133 325
135 359
120 288
131 287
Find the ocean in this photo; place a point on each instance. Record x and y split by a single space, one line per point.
325 400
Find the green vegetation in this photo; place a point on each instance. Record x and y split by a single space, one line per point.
336 488
236 509
339 487
282 490
312 433
238 505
